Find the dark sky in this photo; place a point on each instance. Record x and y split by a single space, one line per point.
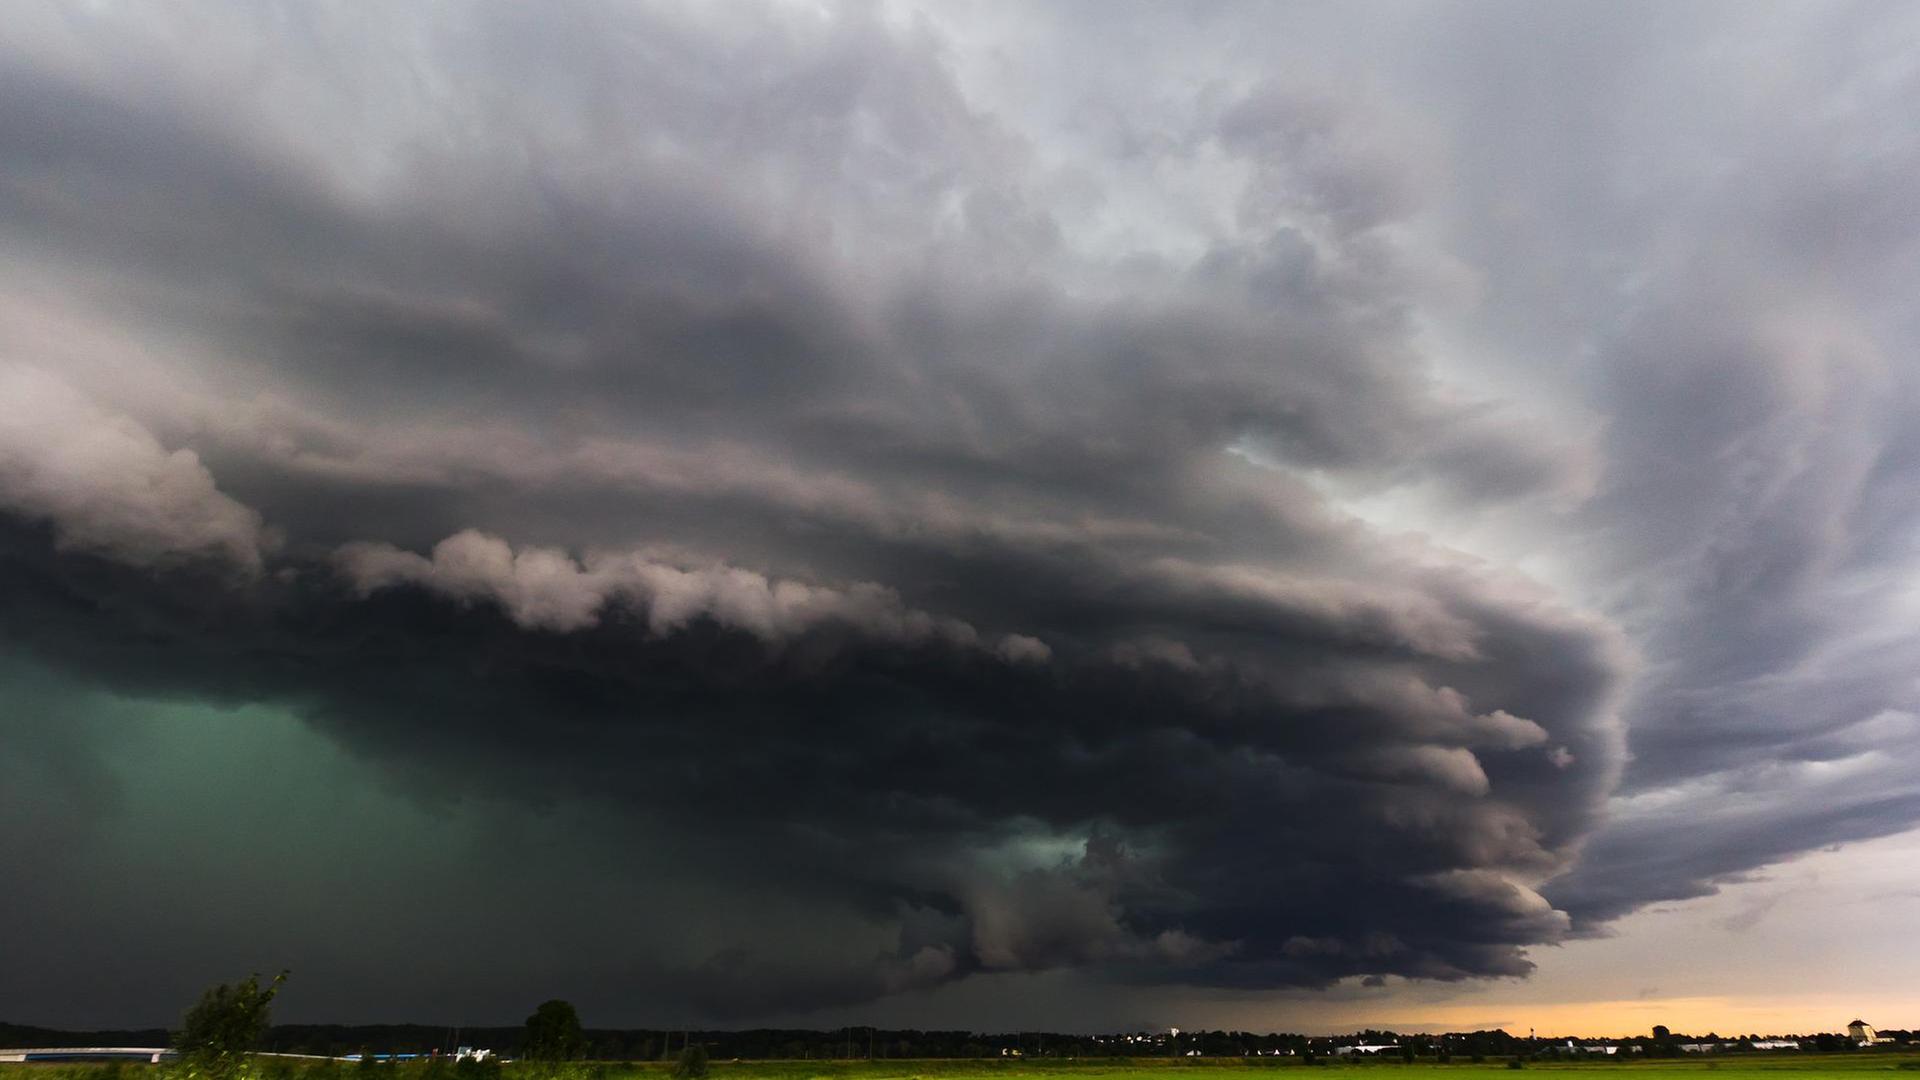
788 512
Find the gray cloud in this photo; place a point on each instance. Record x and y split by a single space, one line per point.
1210 526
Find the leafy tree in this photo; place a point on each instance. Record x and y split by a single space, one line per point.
692 1063
227 1022
553 1033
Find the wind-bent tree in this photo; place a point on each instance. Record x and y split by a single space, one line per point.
553 1033
692 1063
226 1024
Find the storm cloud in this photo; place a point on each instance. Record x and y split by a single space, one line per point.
1310 500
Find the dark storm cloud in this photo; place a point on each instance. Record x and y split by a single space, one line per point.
734 425
1197 823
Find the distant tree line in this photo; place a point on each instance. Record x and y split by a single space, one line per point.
554 1032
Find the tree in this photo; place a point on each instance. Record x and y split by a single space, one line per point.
553 1033
228 1021
692 1063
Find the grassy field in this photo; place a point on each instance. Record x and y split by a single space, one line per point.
1732 1068
1789 1066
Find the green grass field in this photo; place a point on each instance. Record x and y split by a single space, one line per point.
1729 1067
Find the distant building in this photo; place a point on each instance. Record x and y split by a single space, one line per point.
1862 1034
150 1054
1364 1048
1777 1044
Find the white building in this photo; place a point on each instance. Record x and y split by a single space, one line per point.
1862 1034
1364 1048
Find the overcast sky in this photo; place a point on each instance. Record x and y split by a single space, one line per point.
1073 515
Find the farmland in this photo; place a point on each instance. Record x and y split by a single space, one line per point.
1730 1067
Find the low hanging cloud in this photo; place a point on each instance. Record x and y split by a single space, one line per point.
105 484
546 589
1008 806
1254 532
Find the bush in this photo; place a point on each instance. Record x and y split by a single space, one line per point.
1516 1063
477 1069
